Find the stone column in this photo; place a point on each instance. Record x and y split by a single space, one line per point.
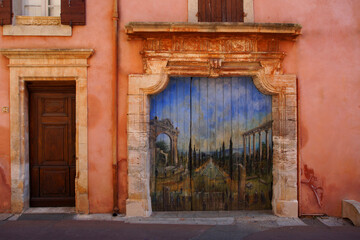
260 152
140 87
267 150
254 155
285 202
242 173
250 152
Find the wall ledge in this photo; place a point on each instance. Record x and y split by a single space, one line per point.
351 210
26 53
37 30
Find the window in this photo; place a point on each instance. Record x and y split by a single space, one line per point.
41 8
72 12
221 11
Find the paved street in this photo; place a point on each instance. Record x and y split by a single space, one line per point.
210 225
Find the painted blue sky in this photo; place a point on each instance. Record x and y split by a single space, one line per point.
211 110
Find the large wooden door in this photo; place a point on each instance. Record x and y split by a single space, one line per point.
52 145
210 142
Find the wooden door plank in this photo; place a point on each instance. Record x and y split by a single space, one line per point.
235 136
186 121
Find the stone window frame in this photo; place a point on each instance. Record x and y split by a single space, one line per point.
35 25
203 50
45 65
248 11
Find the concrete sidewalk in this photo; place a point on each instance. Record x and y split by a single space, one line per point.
174 225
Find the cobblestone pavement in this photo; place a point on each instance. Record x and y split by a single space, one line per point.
181 225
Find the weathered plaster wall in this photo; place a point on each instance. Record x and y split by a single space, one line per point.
5 182
97 35
326 60
131 62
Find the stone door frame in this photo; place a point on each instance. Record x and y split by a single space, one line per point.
213 50
45 65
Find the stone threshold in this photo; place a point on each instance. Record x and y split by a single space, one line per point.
209 218
50 210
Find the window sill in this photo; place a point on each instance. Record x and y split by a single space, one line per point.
37 26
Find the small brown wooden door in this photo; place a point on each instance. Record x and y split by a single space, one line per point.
52 145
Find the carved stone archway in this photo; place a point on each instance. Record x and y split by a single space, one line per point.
213 50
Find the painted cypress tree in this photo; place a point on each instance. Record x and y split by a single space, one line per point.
231 159
194 158
223 154
190 170
190 158
199 158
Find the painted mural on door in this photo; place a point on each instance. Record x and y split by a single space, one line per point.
211 145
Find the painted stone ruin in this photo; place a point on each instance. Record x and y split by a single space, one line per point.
211 145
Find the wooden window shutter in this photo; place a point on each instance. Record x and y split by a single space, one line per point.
221 11
73 12
5 12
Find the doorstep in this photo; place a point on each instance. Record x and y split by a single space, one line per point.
50 210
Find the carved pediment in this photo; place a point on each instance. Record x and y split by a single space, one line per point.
212 49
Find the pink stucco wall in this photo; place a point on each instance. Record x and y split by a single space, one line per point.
326 60
5 189
97 34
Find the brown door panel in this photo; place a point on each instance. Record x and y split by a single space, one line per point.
53 144
54 182
52 202
54 107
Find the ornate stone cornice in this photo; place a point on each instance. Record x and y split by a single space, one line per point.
31 53
143 29
212 49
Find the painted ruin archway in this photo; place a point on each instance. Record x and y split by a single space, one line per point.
213 50
164 126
